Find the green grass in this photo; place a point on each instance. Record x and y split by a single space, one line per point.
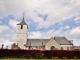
35 59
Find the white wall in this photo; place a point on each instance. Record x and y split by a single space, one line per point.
35 48
21 31
21 36
51 43
65 47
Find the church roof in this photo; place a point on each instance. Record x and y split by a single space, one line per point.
36 42
62 40
22 23
40 42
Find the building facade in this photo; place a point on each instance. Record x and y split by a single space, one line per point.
23 42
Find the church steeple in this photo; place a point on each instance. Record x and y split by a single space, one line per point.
23 22
21 33
23 19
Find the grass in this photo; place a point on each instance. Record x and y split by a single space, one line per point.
35 59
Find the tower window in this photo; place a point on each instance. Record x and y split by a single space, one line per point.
21 26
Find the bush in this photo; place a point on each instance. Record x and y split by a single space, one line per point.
39 56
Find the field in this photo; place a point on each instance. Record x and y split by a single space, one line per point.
37 59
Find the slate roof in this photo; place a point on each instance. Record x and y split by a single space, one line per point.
62 40
22 23
39 42
36 42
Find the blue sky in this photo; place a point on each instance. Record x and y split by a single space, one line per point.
45 19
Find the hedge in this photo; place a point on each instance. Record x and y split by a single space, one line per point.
17 53
62 53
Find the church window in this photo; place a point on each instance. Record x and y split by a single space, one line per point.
21 26
52 47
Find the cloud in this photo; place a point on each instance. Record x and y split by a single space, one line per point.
13 23
36 34
77 18
75 33
6 35
57 11
48 34
66 27
3 9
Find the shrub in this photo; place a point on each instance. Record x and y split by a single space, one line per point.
39 56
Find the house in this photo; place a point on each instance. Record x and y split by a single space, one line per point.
56 43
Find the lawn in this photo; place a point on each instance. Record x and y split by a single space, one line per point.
37 59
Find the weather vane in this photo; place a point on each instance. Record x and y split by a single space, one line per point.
23 14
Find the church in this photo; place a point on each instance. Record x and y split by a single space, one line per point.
23 42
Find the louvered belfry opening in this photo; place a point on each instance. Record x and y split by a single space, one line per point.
21 26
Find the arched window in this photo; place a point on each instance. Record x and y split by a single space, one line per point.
21 26
52 47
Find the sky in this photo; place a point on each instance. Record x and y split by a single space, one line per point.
45 19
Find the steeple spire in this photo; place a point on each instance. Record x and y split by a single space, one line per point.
23 22
23 19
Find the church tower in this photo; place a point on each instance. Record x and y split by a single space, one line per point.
21 34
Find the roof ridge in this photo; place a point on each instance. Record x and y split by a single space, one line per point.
62 40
